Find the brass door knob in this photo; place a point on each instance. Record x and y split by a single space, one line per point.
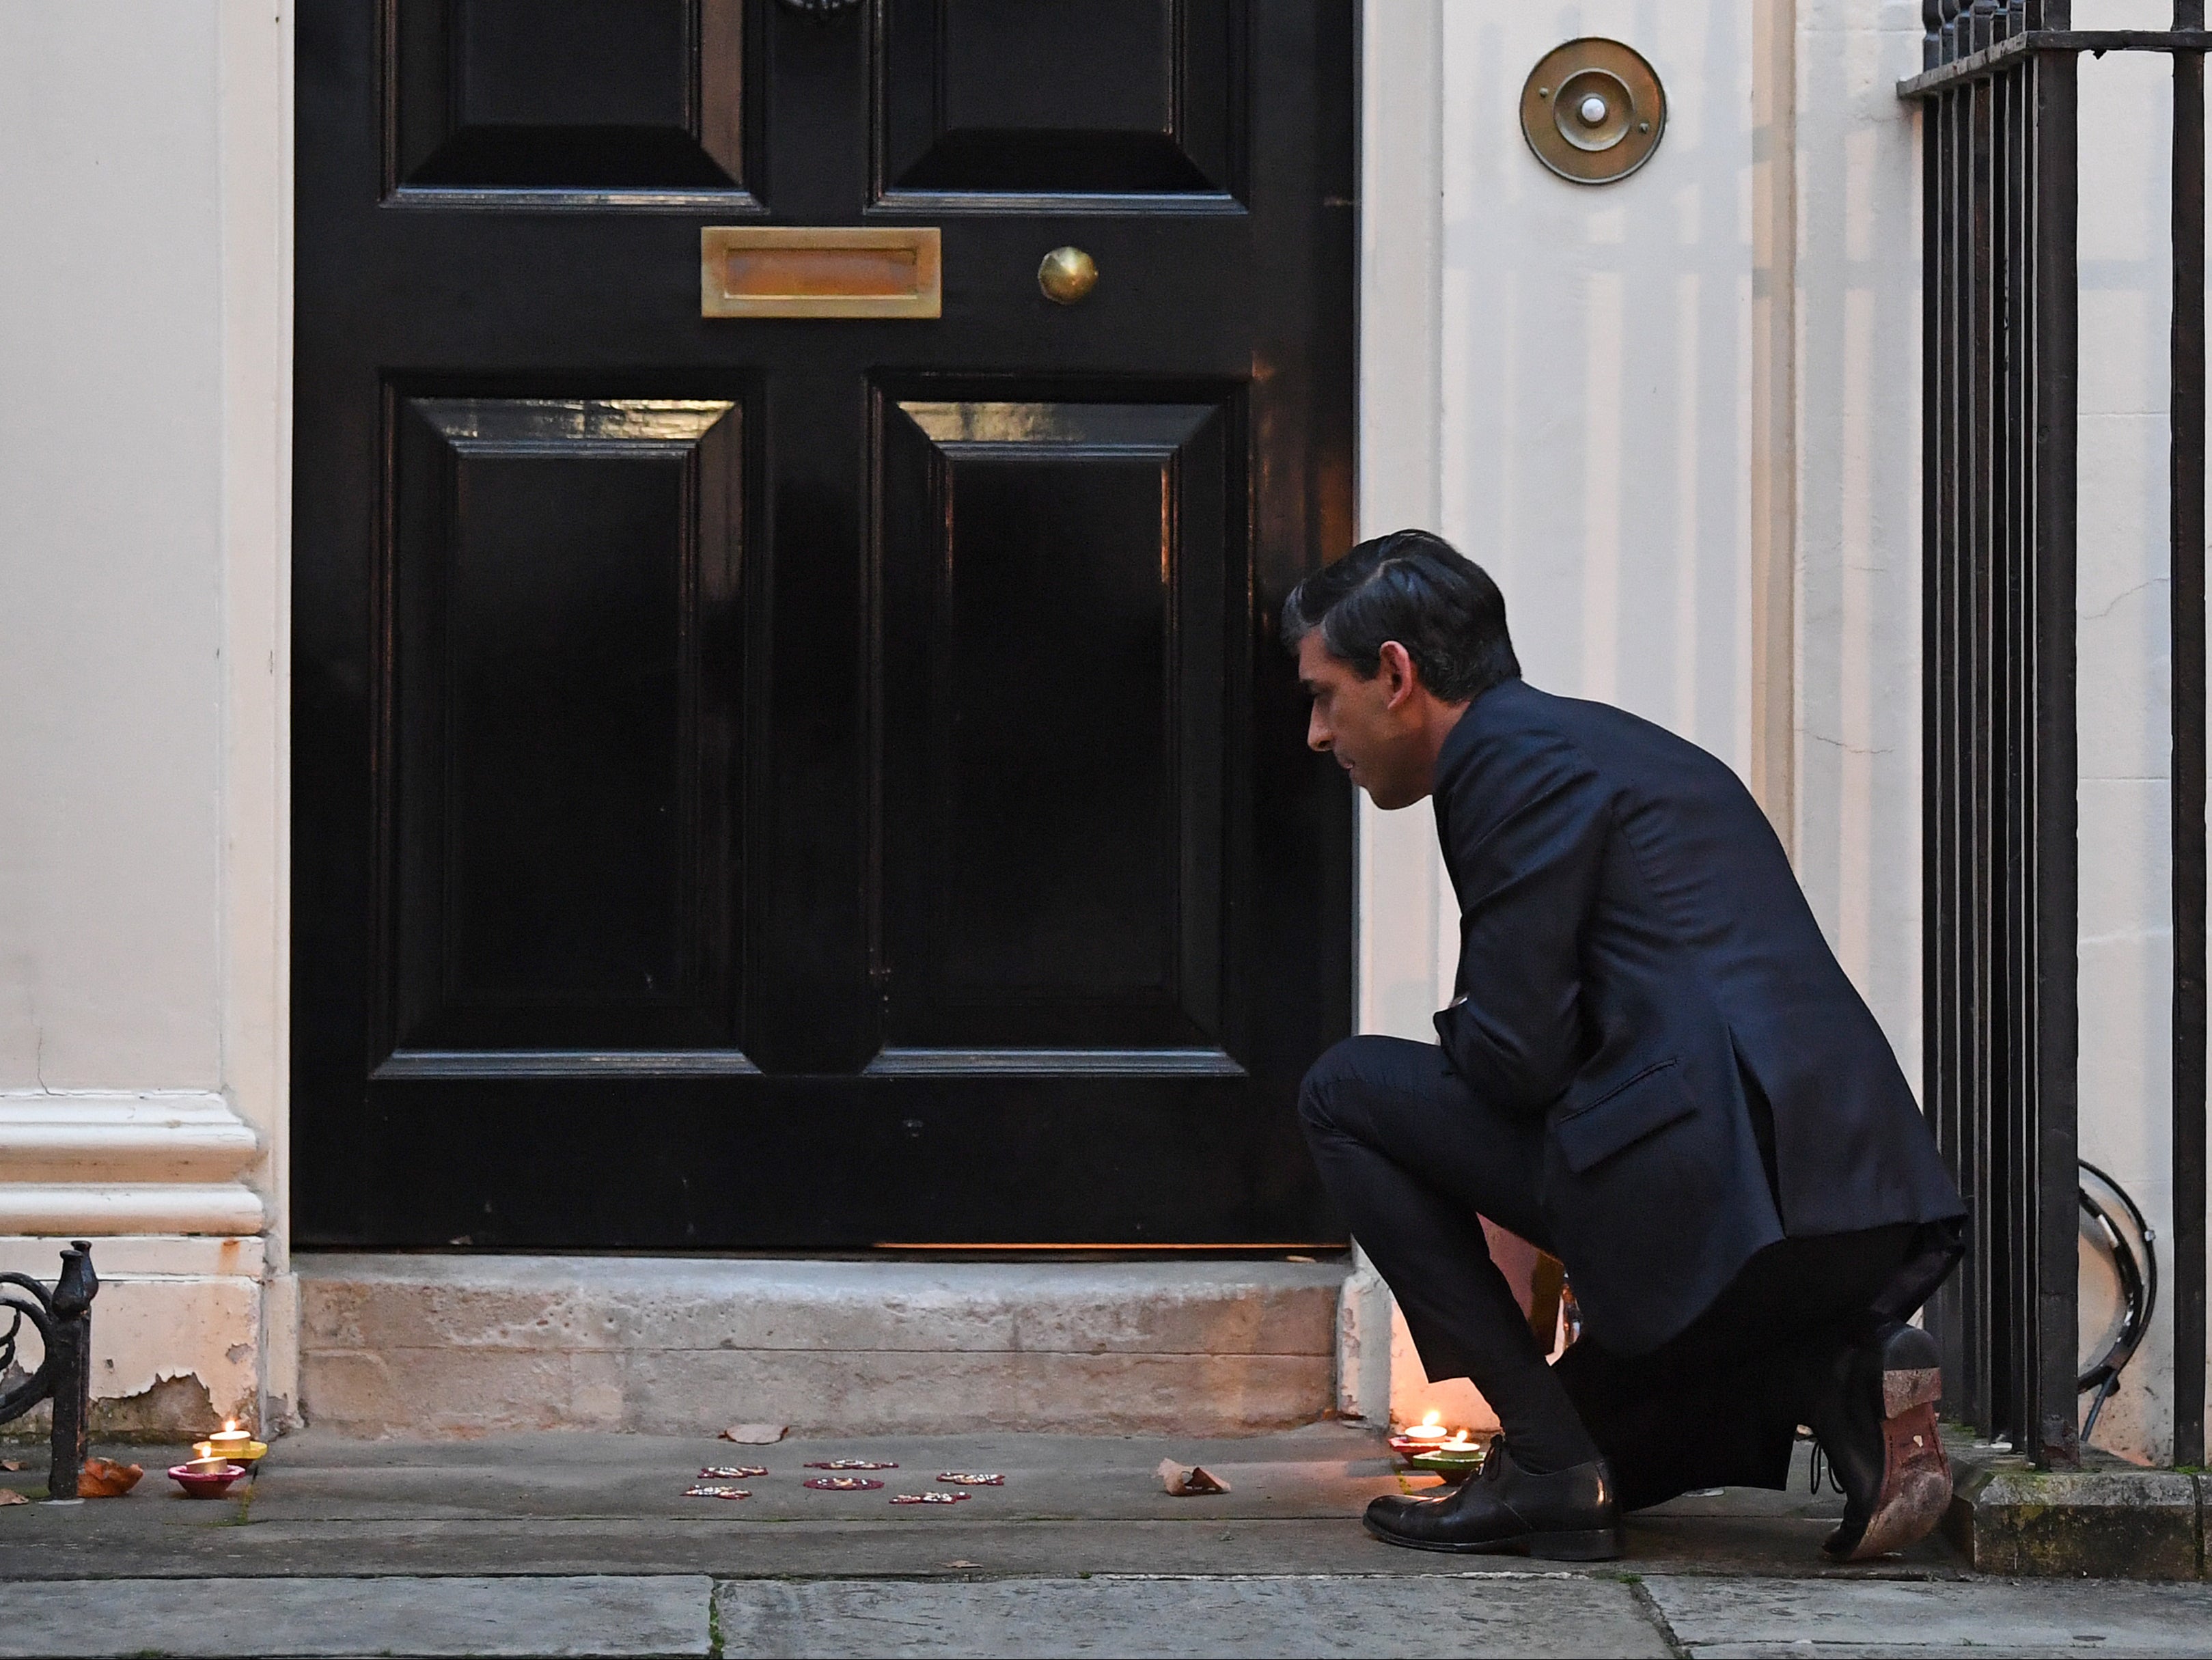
1067 275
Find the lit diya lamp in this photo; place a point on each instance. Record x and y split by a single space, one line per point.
230 1444
206 1477
1421 1438
1454 1459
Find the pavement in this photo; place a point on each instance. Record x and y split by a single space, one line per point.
585 1545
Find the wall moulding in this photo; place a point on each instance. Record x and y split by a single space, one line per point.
104 1164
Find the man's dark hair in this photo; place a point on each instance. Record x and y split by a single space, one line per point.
1420 591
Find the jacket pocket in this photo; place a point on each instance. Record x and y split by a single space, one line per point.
1652 1100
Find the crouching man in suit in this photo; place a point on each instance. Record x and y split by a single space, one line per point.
1654 1069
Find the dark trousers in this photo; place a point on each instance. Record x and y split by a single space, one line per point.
1414 1161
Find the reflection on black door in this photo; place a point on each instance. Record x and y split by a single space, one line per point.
814 783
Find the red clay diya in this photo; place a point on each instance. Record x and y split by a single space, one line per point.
206 1478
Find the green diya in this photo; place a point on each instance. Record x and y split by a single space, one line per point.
1454 1460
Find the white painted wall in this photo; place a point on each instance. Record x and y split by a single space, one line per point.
144 411
110 620
1596 367
1858 840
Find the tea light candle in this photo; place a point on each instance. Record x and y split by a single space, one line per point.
229 1438
1431 1428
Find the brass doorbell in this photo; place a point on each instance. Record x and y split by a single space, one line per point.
1593 111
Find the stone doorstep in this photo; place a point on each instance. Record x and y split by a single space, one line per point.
2110 1520
467 1345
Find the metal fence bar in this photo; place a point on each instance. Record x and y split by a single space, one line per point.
1992 718
2036 38
2050 1409
2008 1081
1942 959
2187 600
1982 707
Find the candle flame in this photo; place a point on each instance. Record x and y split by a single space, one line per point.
1430 1419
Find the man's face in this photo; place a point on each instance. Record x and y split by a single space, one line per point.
1371 725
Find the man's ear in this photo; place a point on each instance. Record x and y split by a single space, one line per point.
1399 677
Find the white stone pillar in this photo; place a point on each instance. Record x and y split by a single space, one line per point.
144 553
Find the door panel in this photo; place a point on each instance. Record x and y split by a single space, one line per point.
778 784
562 687
1052 858
1060 96
575 95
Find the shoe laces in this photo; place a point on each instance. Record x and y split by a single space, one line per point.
1822 1471
1493 1467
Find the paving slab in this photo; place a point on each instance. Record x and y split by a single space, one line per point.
1725 1618
597 1614
1531 1615
572 1504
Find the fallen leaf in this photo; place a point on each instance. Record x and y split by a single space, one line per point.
10 1496
103 1478
11 1465
1189 1480
753 1435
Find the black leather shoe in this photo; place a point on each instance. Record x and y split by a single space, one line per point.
1875 1412
1568 1517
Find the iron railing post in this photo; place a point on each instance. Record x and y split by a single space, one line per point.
1940 954
2187 622
61 1320
2049 1415
69 1353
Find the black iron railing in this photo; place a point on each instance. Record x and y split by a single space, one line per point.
2001 348
62 1319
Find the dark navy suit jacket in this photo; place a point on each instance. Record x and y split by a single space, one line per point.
1633 943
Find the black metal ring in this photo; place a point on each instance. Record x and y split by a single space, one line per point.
2138 1277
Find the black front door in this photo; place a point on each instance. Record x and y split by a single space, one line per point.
814 782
